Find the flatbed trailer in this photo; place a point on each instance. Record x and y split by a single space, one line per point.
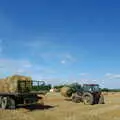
12 99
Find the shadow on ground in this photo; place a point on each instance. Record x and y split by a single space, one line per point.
68 99
36 107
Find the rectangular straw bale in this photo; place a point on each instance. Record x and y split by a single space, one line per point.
10 84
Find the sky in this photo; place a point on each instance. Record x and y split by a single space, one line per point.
61 41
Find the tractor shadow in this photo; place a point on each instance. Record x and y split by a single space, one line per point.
68 99
36 107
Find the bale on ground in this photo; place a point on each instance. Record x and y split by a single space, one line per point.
10 84
66 91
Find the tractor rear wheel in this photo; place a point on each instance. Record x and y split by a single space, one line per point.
88 99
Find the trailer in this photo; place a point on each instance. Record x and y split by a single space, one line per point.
23 95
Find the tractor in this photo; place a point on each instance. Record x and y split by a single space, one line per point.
88 94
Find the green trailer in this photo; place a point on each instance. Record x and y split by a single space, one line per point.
28 92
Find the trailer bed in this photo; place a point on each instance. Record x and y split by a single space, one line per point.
17 93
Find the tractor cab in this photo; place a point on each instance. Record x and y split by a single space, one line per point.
91 88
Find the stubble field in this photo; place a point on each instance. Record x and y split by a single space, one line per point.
56 108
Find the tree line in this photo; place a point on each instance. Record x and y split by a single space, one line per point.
73 85
58 87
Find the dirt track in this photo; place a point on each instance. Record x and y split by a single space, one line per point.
56 108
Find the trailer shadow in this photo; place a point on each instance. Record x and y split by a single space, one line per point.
37 107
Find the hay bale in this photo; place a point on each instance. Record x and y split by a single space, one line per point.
3 85
13 82
66 91
10 84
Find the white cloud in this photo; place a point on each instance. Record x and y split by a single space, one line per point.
24 67
28 65
112 76
63 61
47 50
108 74
83 74
20 71
67 58
1 47
34 44
6 25
14 66
38 43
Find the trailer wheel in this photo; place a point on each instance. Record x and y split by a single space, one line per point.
11 103
0 101
4 102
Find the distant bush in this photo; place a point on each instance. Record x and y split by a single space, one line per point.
76 86
42 87
58 87
73 86
105 90
110 90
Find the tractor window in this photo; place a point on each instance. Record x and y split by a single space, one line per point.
91 88
96 88
87 88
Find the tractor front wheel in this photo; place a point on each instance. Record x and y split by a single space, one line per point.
75 99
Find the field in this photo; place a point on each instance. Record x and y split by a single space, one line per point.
56 108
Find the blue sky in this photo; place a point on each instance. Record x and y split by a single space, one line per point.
61 41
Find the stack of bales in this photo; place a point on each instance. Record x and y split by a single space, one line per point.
66 91
10 84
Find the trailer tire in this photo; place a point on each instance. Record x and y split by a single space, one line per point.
11 103
4 102
0 101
